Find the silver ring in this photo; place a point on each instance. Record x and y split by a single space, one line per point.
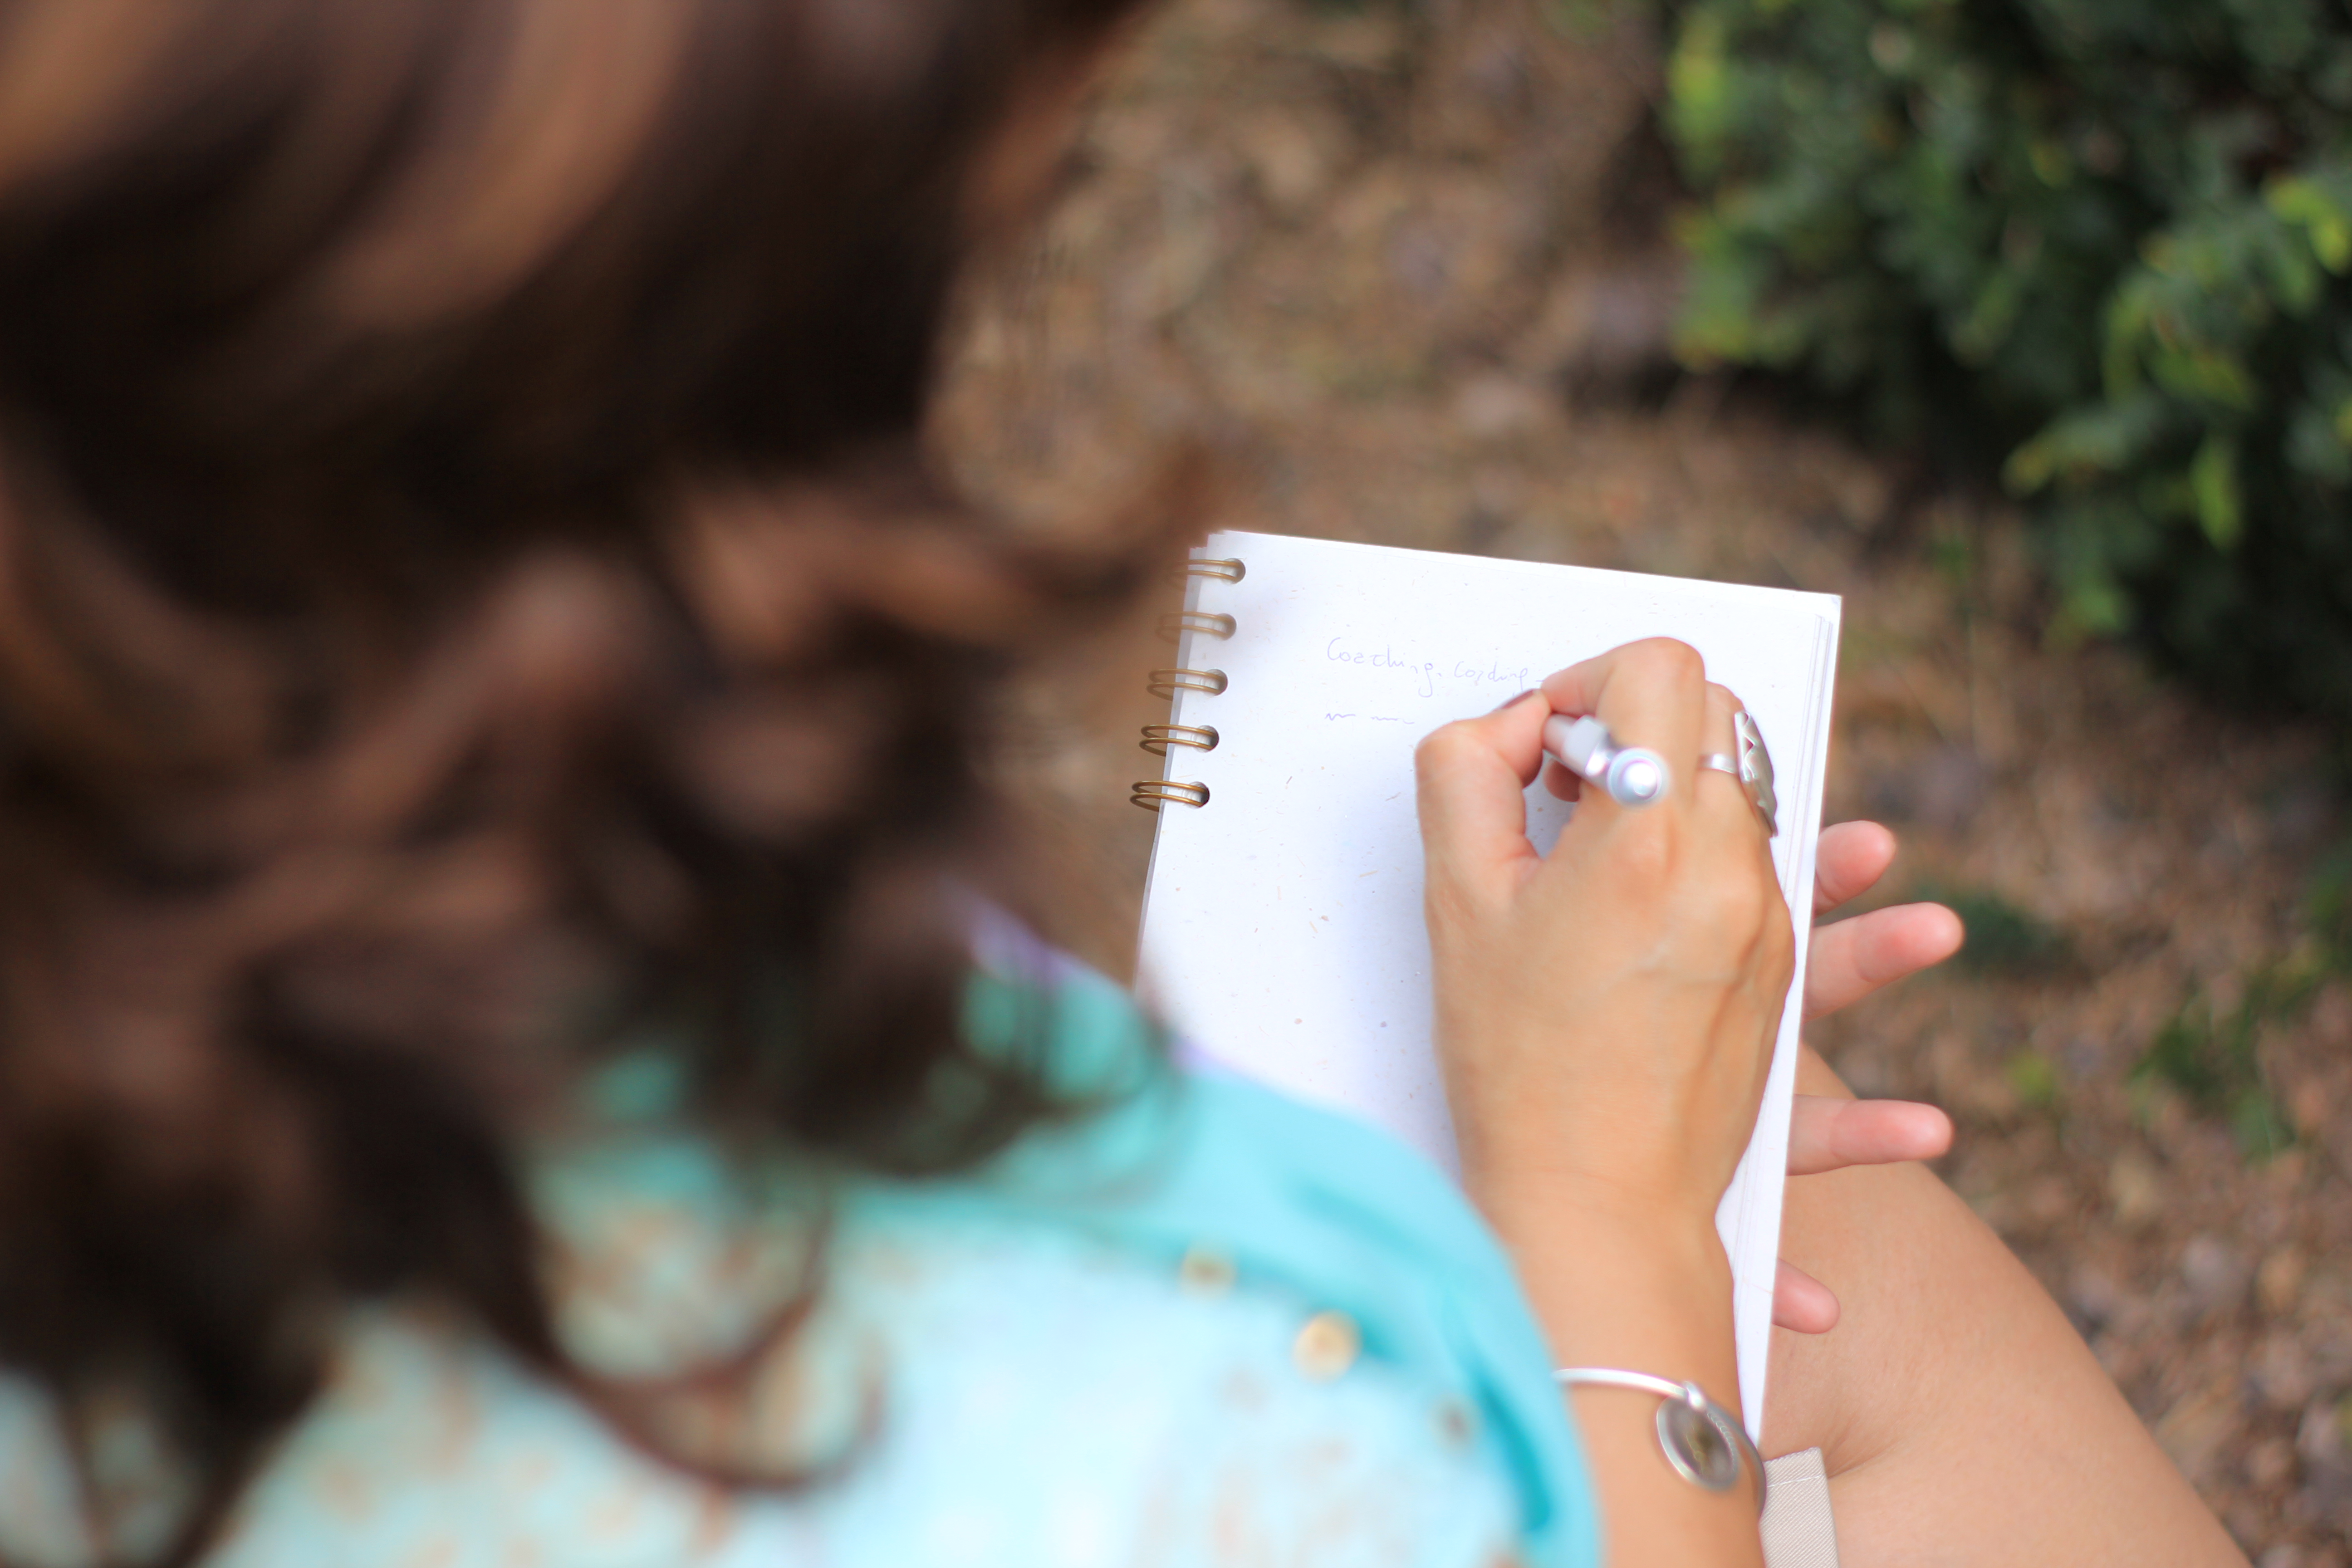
1724 763
1752 767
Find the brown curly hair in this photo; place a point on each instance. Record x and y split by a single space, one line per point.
469 584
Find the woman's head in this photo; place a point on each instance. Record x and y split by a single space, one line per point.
468 584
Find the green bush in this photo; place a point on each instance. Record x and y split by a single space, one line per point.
2101 247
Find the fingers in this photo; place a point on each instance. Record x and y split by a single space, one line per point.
1715 729
1852 858
1802 1303
1830 1134
1561 782
1856 957
1473 778
1852 958
1826 1134
1649 693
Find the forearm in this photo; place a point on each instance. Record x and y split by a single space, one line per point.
1613 1293
1960 1417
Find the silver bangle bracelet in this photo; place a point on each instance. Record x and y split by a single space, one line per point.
1702 1440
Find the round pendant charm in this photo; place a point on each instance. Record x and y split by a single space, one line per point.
1697 1445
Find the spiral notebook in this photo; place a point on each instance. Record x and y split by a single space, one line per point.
1282 927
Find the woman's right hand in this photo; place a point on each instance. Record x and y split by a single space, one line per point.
1605 1013
1605 1017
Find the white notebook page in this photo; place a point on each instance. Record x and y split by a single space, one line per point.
1282 931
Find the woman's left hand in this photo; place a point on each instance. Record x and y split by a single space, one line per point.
1850 960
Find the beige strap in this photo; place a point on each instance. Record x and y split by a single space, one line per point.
1798 1530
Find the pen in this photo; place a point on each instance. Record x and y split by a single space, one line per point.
1633 775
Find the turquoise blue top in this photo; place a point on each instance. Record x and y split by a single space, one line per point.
1206 1326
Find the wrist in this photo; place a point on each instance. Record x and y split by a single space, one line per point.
1628 1255
1539 1204
1620 1284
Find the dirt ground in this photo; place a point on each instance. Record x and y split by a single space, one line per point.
1402 269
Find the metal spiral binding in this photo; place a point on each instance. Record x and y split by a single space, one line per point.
1153 793
1175 624
1168 682
1158 738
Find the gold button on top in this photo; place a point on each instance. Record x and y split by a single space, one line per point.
1206 1271
1327 1346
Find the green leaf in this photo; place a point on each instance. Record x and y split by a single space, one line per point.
2034 1080
1990 319
2304 203
2190 1054
1698 89
2204 374
2261 1131
2329 907
2213 477
2295 278
2092 607
2100 439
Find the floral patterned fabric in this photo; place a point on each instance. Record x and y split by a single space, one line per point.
1204 1327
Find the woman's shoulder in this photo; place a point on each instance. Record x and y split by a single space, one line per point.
1303 1204
1050 1398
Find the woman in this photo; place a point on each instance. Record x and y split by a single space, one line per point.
492 1067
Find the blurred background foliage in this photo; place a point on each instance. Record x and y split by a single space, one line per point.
2100 247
